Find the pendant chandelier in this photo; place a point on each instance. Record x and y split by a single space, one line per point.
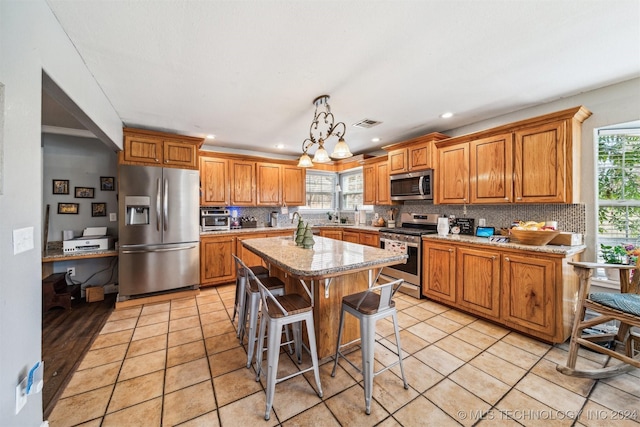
322 128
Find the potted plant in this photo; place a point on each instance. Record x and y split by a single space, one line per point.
614 254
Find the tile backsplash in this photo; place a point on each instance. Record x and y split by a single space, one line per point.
570 217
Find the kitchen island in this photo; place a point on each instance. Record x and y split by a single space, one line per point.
324 274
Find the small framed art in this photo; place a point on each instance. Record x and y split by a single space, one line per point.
98 209
85 192
107 183
60 186
68 208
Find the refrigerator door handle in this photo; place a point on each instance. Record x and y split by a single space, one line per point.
158 250
158 206
166 204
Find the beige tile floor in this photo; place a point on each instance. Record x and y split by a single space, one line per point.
179 363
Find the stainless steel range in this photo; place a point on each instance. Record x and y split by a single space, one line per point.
407 239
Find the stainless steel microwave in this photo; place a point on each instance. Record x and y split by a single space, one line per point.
412 185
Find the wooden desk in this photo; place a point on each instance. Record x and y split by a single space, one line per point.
328 272
58 255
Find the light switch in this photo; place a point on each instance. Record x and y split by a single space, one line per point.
113 217
22 240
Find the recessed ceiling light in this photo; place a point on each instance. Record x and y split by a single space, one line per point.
279 146
375 140
210 136
446 115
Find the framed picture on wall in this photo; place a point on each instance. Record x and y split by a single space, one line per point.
85 192
107 183
98 209
68 208
60 186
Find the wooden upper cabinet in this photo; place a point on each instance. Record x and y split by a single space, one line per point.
294 186
243 183
452 175
490 169
153 148
413 155
142 149
398 161
269 181
375 176
214 181
540 164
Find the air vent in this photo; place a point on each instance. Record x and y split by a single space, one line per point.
366 123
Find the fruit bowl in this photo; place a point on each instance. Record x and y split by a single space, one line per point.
534 237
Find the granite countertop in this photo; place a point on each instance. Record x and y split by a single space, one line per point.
547 249
289 227
329 257
58 255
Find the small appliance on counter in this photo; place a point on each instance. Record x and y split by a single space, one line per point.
214 219
273 219
92 239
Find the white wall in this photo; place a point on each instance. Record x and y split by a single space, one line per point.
31 40
610 105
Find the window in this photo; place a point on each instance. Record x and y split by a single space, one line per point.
321 190
618 186
351 184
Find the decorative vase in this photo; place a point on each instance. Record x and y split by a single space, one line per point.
308 241
300 233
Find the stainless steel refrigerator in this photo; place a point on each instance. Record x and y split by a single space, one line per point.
159 233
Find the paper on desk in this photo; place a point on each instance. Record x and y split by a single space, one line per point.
94 231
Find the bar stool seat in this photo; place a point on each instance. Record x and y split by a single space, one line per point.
279 311
368 307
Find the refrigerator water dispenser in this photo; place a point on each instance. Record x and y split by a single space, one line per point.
137 210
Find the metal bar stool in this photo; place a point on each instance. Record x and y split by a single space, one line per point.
279 311
252 305
369 307
239 305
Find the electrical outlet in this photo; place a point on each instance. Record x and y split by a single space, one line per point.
71 271
21 395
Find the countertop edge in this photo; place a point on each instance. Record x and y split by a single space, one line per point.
484 241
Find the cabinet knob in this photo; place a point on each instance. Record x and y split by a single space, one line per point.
166 161
450 250
519 198
493 257
156 160
506 198
507 259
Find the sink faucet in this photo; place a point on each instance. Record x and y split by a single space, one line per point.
294 216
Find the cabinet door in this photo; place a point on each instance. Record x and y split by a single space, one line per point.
439 272
249 258
398 161
370 239
528 288
180 154
350 236
540 169
478 281
243 183
370 184
491 169
294 186
143 149
453 174
420 156
214 182
384 186
216 261
269 179
331 234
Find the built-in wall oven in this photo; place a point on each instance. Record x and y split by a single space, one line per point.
407 240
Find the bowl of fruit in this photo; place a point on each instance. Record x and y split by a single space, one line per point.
533 233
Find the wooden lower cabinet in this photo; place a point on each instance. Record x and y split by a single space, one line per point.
350 236
531 292
216 261
249 258
331 233
370 239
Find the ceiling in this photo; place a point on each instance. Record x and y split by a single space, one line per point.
248 71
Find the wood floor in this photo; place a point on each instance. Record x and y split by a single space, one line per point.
66 337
